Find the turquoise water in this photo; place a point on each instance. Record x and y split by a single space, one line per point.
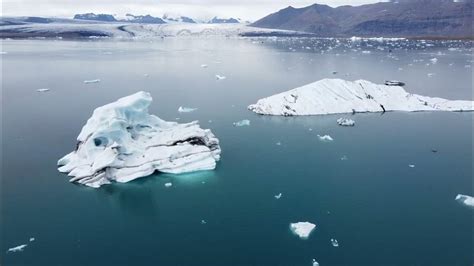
381 211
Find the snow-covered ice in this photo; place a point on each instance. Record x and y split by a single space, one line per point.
325 138
466 200
346 122
17 248
91 81
42 90
122 142
242 123
182 109
302 229
337 96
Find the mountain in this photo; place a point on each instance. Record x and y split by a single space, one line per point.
147 19
98 17
182 19
400 18
217 20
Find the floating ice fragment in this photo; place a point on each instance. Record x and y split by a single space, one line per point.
168 184
411 165
366 52
465 200
334 243
430 75
32 239
219 77
42 90
344 158
242 123
302 229
325 138
17 248
182 109
278 143
204 66
278 196
434 60
203 222
315 263
346 122
91 81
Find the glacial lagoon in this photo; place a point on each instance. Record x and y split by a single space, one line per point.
378 187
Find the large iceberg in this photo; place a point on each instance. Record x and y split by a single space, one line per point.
337 96
122 142
465 200
302 229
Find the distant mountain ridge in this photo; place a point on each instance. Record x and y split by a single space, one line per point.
148 19
400 18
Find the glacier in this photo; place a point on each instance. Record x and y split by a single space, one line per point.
122 142
337 96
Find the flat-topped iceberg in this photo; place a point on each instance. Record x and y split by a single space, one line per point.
122 142
465 200
337 96
302 229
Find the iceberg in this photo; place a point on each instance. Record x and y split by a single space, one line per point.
315 263
337 96
91 81
325 138
346 122
302 229
242 123
465 200
122 142
17 248
186 109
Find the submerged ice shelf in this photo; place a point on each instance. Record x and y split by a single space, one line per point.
122 142
337 96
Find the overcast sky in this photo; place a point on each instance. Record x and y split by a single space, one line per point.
245 9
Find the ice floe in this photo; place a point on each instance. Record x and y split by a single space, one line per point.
302 229
32 239
43 90
169 184
411 165
182 109
278 196
122 142
17 248
242 123
325 138
346 122
465 200
334 243
91 81
337 96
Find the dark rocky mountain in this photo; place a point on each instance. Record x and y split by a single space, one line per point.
217 20
147 19
399 18
98 17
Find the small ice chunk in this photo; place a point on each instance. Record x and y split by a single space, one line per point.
346 122
334 243
91 81
242 123
32 239
430 75
278 196
411 165
465 200
278 143
219 77
325 138
204 66
366 52
182 109
315 263
344 158
434 60
168 184
17 248
43 90
302 229
203 222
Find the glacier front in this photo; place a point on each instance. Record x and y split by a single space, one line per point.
337 96
122 142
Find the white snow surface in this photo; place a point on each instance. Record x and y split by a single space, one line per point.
122 142
302 229
337 96
466 200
